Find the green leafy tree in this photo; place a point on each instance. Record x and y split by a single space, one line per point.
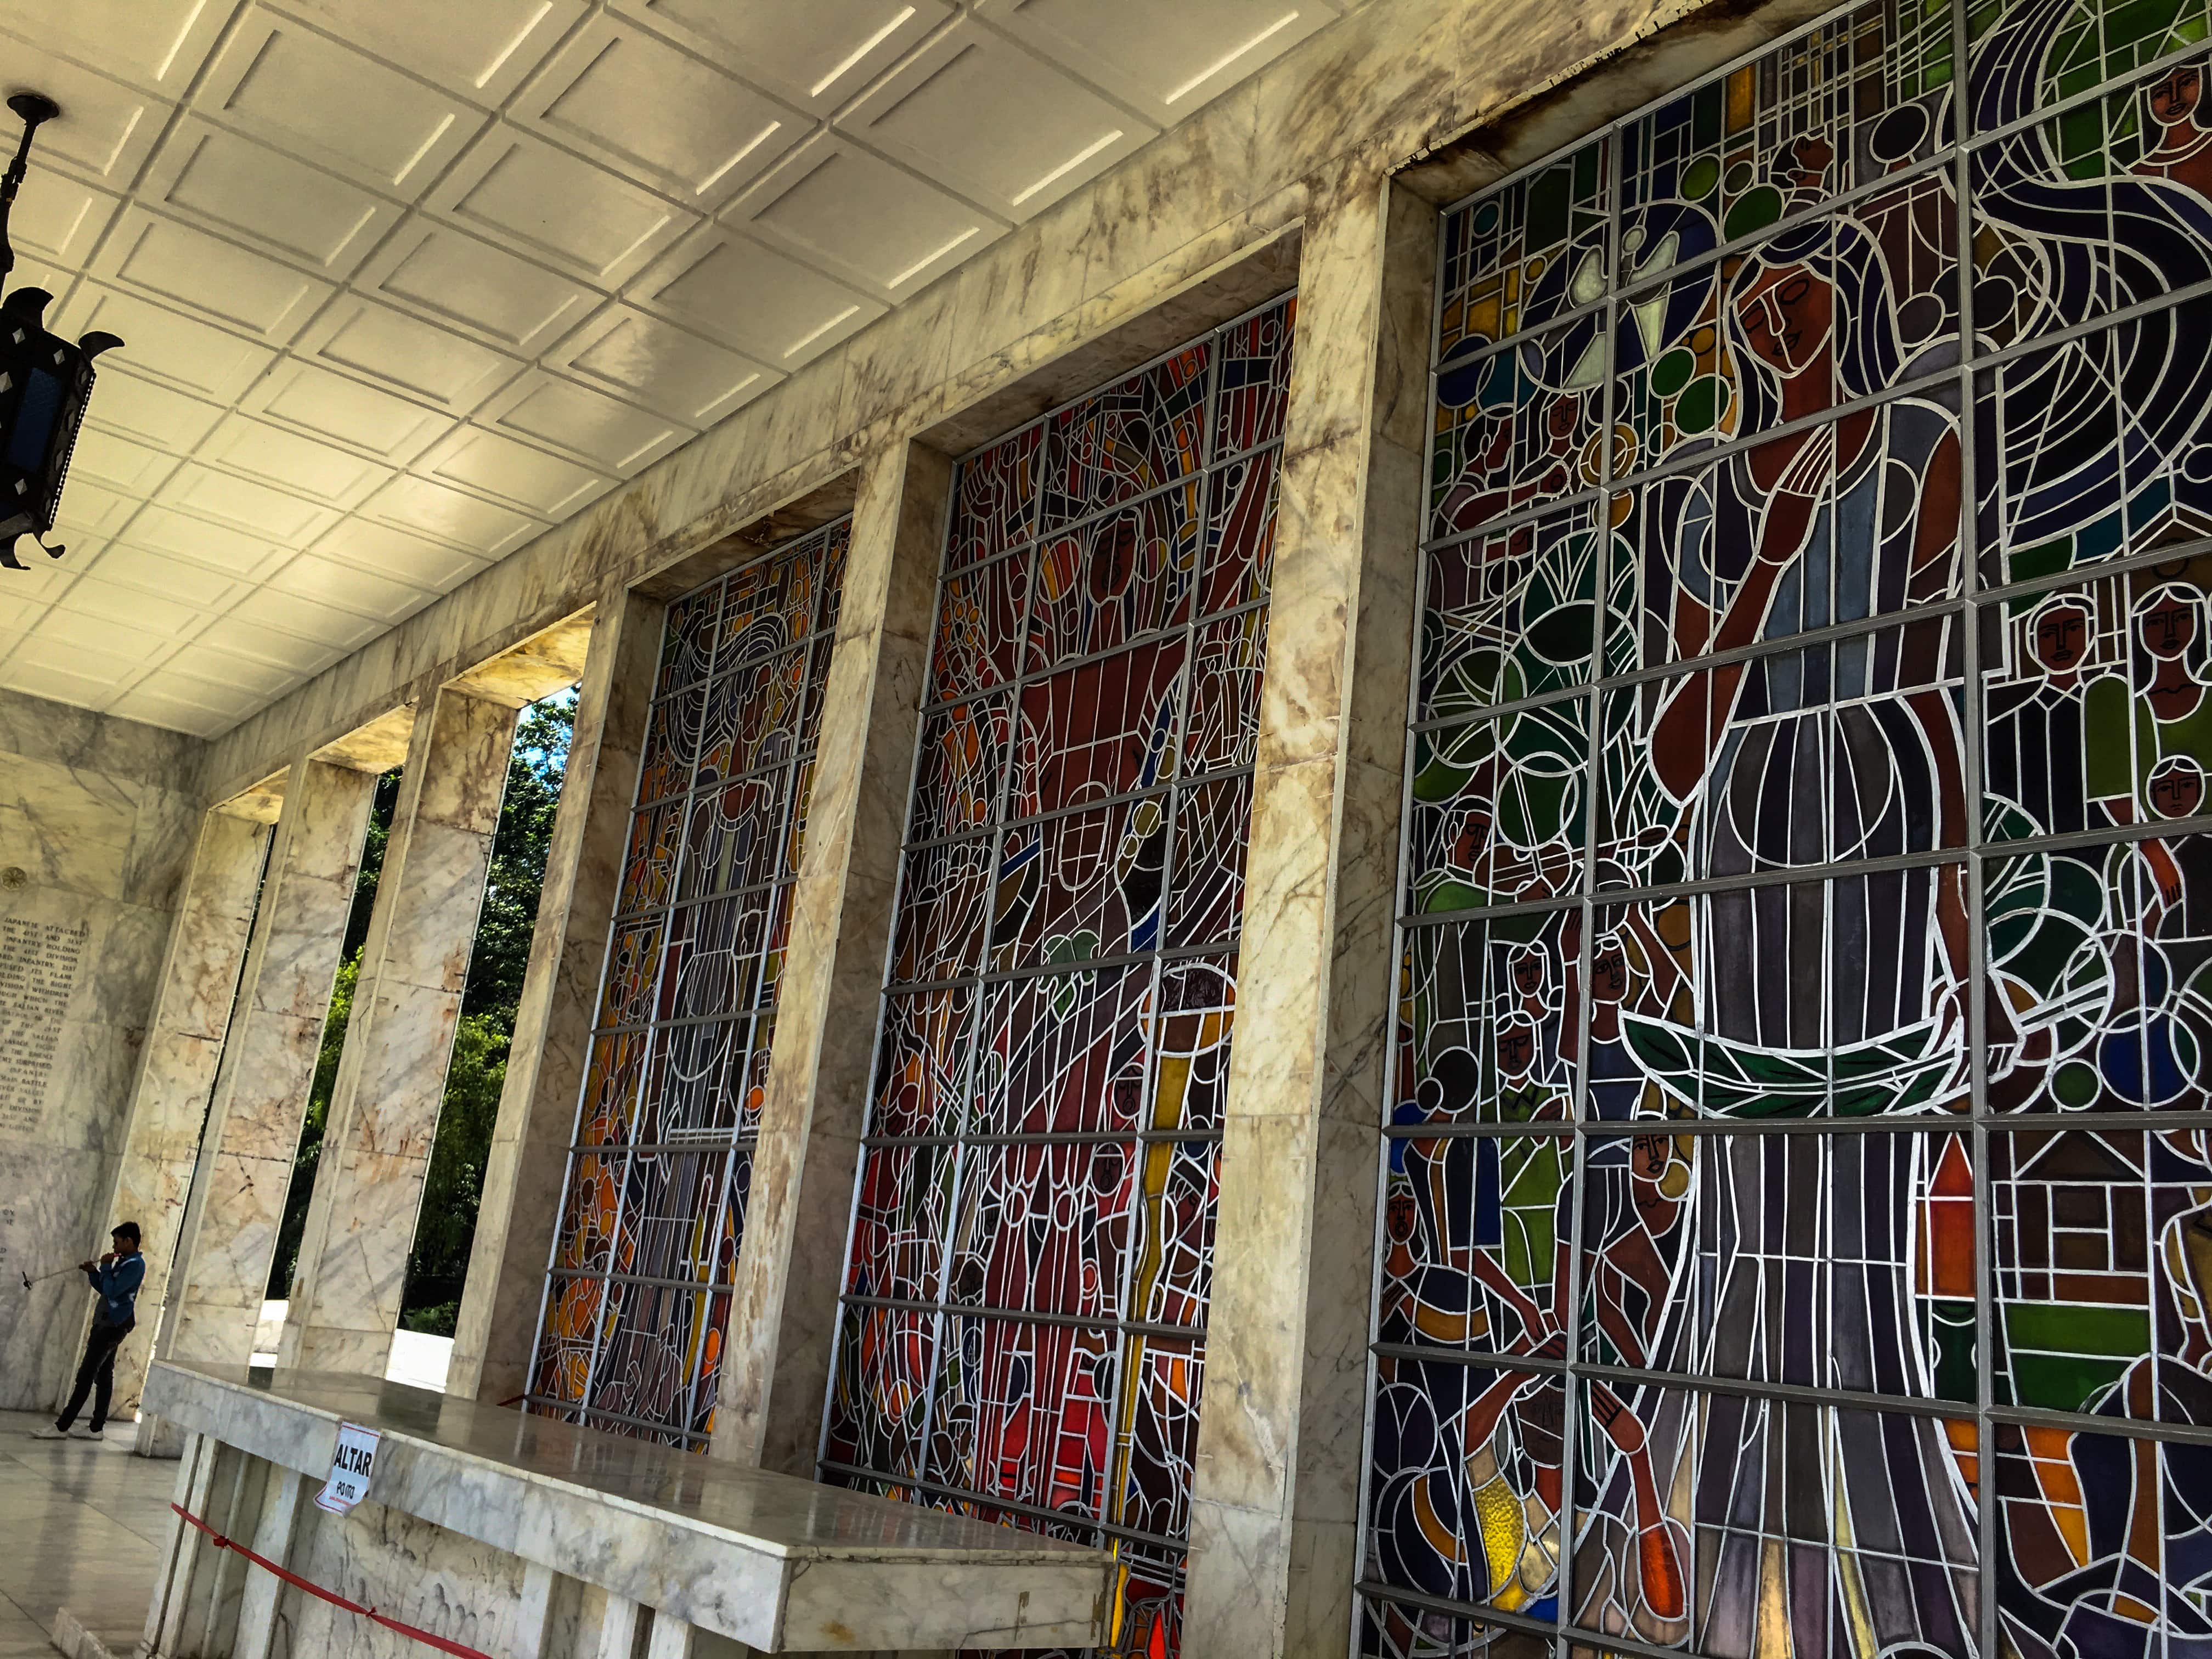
519 850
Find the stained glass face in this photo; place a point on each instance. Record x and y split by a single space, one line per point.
652 1216
1023 1333
1797 1180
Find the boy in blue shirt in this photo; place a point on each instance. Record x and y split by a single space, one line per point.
117 1277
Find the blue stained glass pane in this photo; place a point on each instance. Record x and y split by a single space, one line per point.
34 422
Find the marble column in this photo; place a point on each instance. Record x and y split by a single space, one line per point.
783 1315
407 1004
286 1490
268 1068
194 1609
177 1070
1276 1496
497 1329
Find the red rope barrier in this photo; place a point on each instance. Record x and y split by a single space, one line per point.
334 1599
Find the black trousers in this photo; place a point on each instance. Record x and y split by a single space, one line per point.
96 1376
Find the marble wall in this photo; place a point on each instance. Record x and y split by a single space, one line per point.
98 821
421 1574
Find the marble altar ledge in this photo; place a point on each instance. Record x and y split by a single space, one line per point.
780 1564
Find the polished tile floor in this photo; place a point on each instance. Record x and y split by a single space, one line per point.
82 1526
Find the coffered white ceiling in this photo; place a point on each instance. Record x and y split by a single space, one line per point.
404 282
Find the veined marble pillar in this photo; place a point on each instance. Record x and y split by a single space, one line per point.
253 1132
407 1004
1275 1507
177 1072
497 1331
783 1315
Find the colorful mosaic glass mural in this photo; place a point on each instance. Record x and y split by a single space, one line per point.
653 1213
1797 1223
1023 1331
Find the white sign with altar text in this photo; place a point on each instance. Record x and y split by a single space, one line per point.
352 1465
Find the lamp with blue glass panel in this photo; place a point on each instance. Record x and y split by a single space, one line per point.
46 381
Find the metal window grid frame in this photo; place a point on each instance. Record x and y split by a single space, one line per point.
825 546
1978 596
1160 1552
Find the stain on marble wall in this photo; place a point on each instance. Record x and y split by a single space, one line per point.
98 817
407 1568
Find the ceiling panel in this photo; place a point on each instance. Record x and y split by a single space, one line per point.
446 514
813 57
45 580
128 467
204 662
429 565
133 608
882 228
404 282
324 624
235 287
1005 128
321 471
406 355
194 542
60 219
600 431
109 129
333 408
155 701
670 120
345 587
275 515
549 205
120 566
663 366
90 507
1160 55
150 411
49 667
336 105
772 307
484 49
271 647
158 44
516 475
466 282
194 356
241 188
81 631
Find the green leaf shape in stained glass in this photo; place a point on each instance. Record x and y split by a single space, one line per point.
1721 1078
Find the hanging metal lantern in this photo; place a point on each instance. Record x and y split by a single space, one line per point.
46 381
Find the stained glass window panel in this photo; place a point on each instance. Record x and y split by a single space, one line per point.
1024 1331
653 1215
1795 1167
